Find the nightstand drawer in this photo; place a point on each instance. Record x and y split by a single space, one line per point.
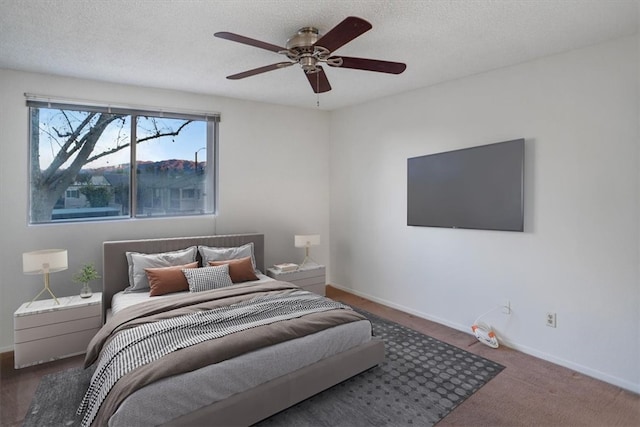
303 283
291 276
56 329
316 289
48 349
59 316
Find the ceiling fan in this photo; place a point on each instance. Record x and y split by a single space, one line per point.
310 49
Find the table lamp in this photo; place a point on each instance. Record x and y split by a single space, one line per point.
306 241
44 262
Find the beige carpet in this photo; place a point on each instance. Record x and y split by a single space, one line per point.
528 392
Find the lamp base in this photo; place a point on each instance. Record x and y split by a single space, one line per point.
307 262
46 288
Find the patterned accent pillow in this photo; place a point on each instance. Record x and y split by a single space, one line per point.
207 278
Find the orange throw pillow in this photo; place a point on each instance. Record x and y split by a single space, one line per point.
165 280
240 269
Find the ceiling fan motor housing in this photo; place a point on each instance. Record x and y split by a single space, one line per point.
301 49
304 40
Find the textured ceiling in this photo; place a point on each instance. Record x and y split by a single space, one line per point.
170 44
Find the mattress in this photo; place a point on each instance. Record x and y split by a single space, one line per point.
169 398
172 397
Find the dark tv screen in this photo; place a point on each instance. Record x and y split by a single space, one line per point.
478 187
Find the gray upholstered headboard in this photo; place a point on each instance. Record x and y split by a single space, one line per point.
115 276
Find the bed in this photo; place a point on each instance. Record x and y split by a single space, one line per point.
242 402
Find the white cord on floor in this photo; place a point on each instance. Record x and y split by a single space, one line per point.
483 332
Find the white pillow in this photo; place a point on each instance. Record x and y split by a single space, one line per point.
209 253
138 281
207 278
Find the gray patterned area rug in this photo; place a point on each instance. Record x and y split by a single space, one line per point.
420 382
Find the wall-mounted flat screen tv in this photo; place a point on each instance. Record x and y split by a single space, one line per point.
478 187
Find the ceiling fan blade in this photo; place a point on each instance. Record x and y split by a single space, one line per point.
343 33
319 82
370 65
251 42
260 70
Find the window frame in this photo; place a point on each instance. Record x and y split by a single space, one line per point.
211 120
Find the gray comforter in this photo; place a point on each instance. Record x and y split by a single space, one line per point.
212 350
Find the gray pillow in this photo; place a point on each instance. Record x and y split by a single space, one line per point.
209 253
137 261
207 278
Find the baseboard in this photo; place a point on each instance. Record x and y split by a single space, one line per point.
593 373
420 314
618 382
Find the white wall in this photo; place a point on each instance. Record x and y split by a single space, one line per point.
273 180
579 253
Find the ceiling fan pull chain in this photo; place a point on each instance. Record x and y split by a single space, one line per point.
317 90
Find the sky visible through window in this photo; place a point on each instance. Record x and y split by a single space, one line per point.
183 146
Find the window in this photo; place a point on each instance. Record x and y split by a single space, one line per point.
83 165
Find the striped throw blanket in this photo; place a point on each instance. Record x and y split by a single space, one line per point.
134 347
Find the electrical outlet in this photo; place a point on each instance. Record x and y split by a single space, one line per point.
506 307
551 320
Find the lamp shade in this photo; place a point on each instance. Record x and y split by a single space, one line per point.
44 261
306 240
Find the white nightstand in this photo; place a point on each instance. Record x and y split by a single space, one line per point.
308 278
45 331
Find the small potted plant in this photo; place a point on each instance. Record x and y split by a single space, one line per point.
86 274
